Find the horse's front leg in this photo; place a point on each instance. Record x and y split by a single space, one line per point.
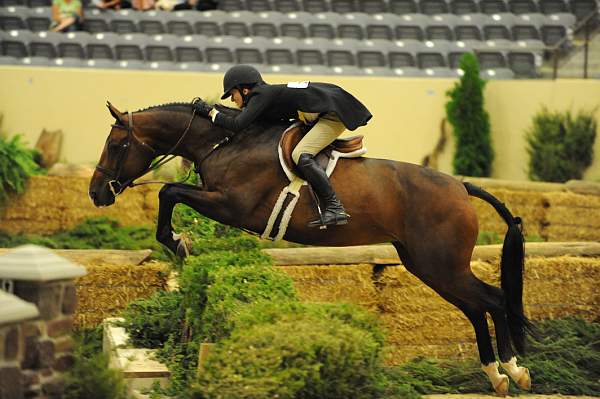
205 202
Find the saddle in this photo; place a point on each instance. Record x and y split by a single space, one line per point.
351 147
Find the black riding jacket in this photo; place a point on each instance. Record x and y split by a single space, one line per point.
282 102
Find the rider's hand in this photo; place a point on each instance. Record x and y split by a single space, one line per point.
203 109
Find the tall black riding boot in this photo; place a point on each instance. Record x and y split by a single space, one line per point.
333 212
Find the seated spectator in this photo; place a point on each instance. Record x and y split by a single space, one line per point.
142 5
200 5
67 15
108 4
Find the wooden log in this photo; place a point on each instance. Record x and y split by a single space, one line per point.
49 145
386 254
100 256
488 183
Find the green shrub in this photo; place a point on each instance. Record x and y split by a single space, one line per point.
151 321
233 288
465 112
16 166
560 145
92 233
91 377
269 312
308 358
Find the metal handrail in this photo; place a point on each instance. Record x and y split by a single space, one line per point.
585 24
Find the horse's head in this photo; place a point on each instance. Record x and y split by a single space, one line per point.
124 157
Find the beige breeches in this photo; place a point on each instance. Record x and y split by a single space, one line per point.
328 128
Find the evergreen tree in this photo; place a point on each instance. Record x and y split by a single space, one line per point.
470 122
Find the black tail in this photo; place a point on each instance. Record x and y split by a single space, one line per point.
511 268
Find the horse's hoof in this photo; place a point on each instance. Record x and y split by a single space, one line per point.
501 387
184 246
524 382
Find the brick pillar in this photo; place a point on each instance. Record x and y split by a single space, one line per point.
12 344
47 281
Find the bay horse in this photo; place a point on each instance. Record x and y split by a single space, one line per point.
425 214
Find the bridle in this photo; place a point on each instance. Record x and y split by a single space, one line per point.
116 186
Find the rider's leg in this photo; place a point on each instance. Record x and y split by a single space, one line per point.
327 129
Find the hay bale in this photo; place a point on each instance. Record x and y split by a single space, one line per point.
334 283
529 205
107 289
53 203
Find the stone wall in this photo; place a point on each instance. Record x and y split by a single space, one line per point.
44 346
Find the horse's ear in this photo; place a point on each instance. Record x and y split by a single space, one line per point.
118 115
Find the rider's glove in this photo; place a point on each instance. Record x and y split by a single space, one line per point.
203 109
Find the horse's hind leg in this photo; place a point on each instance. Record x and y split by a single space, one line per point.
508 361
457 284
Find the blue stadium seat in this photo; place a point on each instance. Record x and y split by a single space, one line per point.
124 21
159 48
72 45
130 47
324 26
583 8
381 26
403 53
15 43
352 26
553 6
433 7
309 52
218 50
402 7
411 27
341 52
231 5
523 64
491 7
153 22
315 6
101 45
96 21
286 6
281 51
373 6
39 19
522 6
491 59
44 44
258 5
343 6
189 49
373 54
462 7
13 18
250 50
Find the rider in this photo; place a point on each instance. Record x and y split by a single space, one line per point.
330 108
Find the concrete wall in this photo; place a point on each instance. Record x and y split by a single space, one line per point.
407 111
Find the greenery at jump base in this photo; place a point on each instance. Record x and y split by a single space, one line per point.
560 145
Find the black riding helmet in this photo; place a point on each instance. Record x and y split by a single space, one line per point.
240 75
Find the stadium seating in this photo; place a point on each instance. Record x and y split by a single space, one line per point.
368 37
